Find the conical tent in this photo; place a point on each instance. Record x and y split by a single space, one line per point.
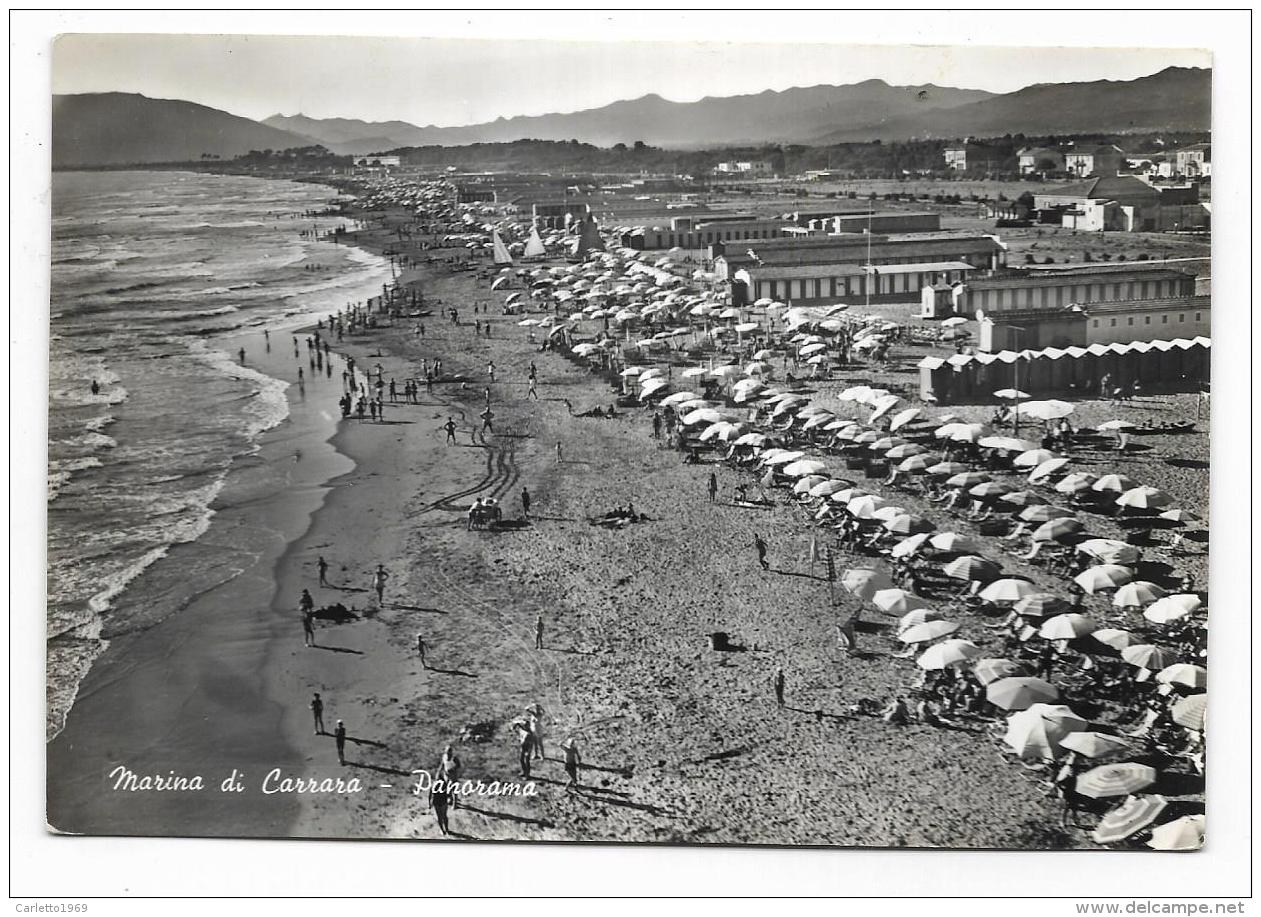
534 248
588 239
501 250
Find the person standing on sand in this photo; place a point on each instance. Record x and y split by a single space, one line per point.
559 459
525 503
306 604
438 801
449 426
339 736
420 650
378 582
573 760
779 687
322 565
490 370
713 487
449 769
538 631
759 544
487 427
317 711
525 738
242 355
308 628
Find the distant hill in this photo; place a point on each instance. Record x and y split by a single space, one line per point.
118 128
1175 99
791 116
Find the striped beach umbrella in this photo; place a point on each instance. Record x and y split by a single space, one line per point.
1191 712
1184 674
1148 656
865 583
897 601
1115 638
1113 483
1185 833
954 543
1036 733
990 670
1057 529
1103 577
971 568
1095 744
1109 550
1022 498
948 653
1127 819
1020 693
1067 627
1172 608
1033 458
1044 512
1007 590
1119 779
928 631
1144 497
1137 594
908 546
1040 605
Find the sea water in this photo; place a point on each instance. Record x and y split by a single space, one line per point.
154 276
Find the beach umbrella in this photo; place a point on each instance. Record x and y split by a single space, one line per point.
1103 577
918 616
1115 638
905 451
1075 483
1172 608
1022 498
989 490
865 583
1120 779
902 418
908 546
1184 674
1180 516
897 601
1036 733
1094 744
1109 550
1185 833
1066 627
954 543
948 653
651 387
1191 712
915 464
1010 394
863 507
1043 410
780 457
927 631
905 524
1040 605
703 415
751 439
1006 443
885 444
803 467
1114 483
1044 512
971 568
1007 590
1032 458
1127 819
990 670
1057 529
967 433
1148 656
1144 497
947 468
1020 693
1047 468
1137 594
803 486
954 321
828 487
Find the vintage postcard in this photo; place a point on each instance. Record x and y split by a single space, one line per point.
510 440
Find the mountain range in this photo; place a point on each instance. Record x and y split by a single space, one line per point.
121 128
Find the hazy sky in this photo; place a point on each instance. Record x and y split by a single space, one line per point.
453 82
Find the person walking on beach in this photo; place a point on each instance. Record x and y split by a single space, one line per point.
487 426
339 736
525 739
759 544
378 582
490 370
438 801
525 503
449 769
538 631
322 565
534 389
306 604
779 687
713 487
420 650
449 426
317 711
573 759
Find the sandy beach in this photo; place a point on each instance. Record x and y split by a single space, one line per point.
680 744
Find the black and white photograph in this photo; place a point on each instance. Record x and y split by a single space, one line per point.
459 439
